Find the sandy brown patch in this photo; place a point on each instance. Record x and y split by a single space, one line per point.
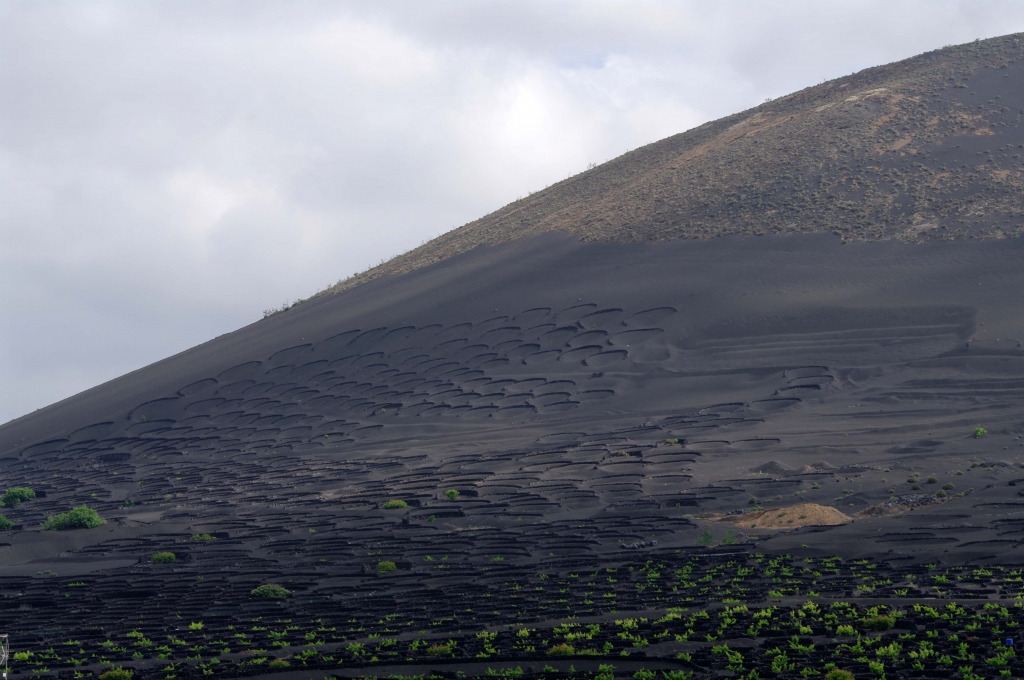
803 515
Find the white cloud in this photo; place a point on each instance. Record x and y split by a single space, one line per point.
377 55
170 169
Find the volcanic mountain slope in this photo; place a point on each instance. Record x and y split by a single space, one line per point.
584 436
926 148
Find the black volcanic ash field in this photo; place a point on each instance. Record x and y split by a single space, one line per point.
592 416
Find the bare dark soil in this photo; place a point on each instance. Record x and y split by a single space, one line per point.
591 404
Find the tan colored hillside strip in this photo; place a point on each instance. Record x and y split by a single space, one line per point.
799 163
803 515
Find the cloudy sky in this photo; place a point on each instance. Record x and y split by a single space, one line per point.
168 170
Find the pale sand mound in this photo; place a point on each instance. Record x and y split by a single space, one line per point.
803 515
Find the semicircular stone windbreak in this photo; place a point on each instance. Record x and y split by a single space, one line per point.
164 407
453 331
486 359
205 386
379 375
291 355
574 313
542 357
335 344
150 426
580 354
517 411
44 447
313 368
603 318
470 350
486 325
279 372
555 386
522 351
94 431
367 341
249 369
649 317
591 337
501 334
531 317
557 337
397 335
775 404
550 398
235 388
606 358
635 337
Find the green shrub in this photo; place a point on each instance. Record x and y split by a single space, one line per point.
164 557
15 495
706 538
5 524
561 650
453 494
675 675
440 649
117 673
980 432
278 663
837 674
949 486
878 622
395 505
270 591
202 537
82 517
932 480
386 567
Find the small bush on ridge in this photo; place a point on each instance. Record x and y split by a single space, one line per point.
117 673
838 674
270 591
878 622
395 505
15 495
164 557
82 517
